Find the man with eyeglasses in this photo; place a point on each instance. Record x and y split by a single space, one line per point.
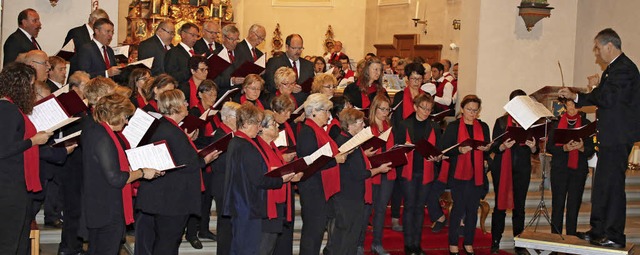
209 42
176 62
291 58
156 46
24 38
84 33
230 37
38 60
97 58
247 49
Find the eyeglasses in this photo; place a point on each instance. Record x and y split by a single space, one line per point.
261 38
43 63
296 48
143 78
387 109
287 84
253 88
359 121
191 34
330 86
230 39
210 31
425 108
415 78
472 110
169 32
323 110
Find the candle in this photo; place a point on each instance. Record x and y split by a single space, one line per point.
417 8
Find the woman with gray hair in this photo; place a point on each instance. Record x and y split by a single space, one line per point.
316 191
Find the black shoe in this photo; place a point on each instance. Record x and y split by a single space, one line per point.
605 242
495 247
208 235
54 224
587 236
408 250
418 250
437 226
195 243
467 252
521 251
454 253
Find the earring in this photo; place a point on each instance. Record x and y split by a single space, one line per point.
313 115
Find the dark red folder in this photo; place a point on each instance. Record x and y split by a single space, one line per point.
287 149
247 68
564 136
306 85
427 149
72 103
396 155
295 166
224 98
217 65
219 145
473 143
192 123
520 135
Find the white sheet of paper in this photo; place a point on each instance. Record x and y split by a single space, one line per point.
138 125
148 62
385 135
324 150
150 156
47 114
355 141
63 89
300 108
262 61
69 47
67 137
526 111
121 50
223 97
281 140
224 55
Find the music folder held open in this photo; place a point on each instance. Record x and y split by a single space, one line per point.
377 142
224 98
217 63
564 136
154 155
308 165
50 113
306 85
69 140
521 135
191 123
140 128
396 155
219 145
283 144
249 67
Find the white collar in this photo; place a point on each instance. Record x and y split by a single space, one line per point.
26 33
56 83
99 44
248 44
90 30
186 47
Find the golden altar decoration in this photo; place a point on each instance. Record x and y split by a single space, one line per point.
145 15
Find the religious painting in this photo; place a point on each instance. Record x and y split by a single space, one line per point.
302 3
393 2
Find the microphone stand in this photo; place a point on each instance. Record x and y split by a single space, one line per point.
542 210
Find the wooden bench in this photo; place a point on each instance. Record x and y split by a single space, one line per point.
545 243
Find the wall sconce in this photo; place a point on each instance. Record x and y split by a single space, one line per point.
533 11
456 24
417 20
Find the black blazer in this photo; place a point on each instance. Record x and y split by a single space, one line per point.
560 159
15 44
176 64
103 180
616 98
201 47
12 145
91 61
178 191
80 36
520 154
224 79
306 70
152 47
352 91
52 86
244 54
353 173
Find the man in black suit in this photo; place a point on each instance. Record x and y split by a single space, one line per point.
618 128
291 58
176 62
84 33
209 42
24 38
96 57
230 36
157 46
247 49
57 73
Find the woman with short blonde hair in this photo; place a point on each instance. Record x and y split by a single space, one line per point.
325 84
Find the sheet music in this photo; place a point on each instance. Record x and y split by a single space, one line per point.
325 150
60 140
62 124
223 97
300 108
224 55
207 113
138 125
156 156
63 89
155 115
281 141
357 140
121 50
262 61
330 71
148 62
385 135
47 114
526 111
69 47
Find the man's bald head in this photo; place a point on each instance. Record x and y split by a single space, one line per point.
40 61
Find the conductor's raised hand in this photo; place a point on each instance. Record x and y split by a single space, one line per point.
594 80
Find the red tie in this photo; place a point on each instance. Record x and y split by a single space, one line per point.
166 48
106 57
295 69
193 53
231 58
35 44
255 56
211 47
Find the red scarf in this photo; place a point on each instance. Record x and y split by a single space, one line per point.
192 145
135 184
140 101
31 155
330 176
154 104
391 175
193 93
407 101
365 92
505 190
368 188
289 131
465 169
257 102
564 123
208 128
427 167
127 200
275 196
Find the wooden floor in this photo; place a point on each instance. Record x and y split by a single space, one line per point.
567 244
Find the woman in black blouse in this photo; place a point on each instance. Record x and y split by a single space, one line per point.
171 199
569 170
18 156
137 80
465 174
252 91
368 85
107 176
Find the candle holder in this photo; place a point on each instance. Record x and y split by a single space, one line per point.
417 21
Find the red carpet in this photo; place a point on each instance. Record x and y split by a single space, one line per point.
432 243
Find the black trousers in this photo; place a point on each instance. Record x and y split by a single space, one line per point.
348 225
466 199
247 235
70 242
268 244
16 219
381 196
200 223
567 185
284 242
521 179
416 196
168 233
397 195
144 231
107 240
608 197
315 215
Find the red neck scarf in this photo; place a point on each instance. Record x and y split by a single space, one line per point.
256 102
31 155
127 200
364 93
275 196
564 123
505 190
391 175
407 102
154 104
289 131
427 167
140 101
465 169
331 176
192 145
193 93
208 128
